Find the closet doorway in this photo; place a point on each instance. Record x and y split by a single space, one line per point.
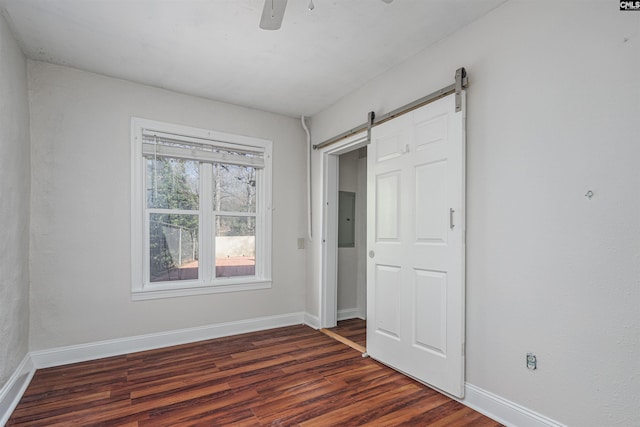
345 245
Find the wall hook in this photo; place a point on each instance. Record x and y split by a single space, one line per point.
589 194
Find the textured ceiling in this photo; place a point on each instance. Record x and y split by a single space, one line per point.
215 49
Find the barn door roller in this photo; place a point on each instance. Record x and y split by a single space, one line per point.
461 81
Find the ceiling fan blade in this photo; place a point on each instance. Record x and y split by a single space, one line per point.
272 14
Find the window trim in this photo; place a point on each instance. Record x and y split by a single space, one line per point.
141 287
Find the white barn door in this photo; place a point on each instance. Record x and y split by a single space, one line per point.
415 240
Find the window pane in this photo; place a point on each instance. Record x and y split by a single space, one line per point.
173 247
234 188
172 183
235 246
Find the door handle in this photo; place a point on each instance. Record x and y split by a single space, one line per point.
372 254
451 224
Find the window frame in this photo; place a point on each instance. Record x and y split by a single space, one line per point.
141 286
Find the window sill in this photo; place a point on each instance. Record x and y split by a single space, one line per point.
160 291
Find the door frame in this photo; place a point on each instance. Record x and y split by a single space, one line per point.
330 180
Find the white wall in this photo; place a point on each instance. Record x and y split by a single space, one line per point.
14 205
553 109
80 241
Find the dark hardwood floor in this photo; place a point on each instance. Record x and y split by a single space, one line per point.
281 377
352 329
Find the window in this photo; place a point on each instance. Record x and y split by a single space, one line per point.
201 211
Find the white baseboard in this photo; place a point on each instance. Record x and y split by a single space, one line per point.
312 321
348 313
96 350
503 410
12 391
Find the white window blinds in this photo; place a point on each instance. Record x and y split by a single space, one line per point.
161 144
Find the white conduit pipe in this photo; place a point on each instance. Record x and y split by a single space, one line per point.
304 126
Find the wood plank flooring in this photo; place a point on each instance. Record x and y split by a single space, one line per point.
293 376
352 329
